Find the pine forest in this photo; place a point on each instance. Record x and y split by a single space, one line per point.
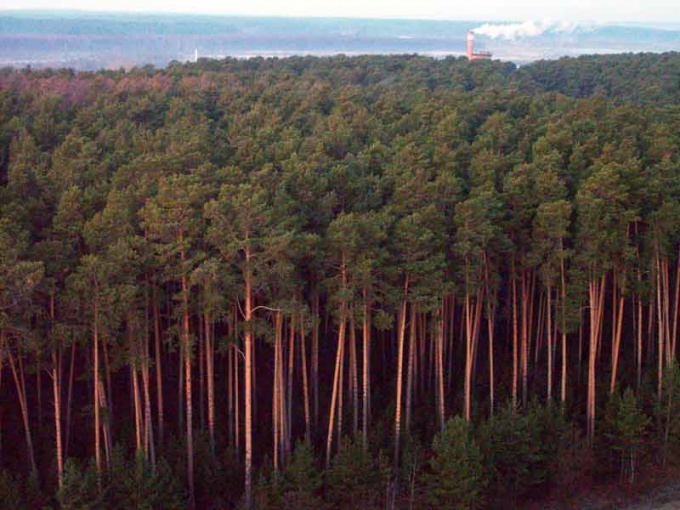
376 282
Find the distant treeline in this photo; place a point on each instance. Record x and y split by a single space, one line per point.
337 282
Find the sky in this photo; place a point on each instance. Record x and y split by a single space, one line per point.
602 11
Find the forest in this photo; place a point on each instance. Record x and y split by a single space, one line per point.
380 282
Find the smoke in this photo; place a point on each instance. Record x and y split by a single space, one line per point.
512 31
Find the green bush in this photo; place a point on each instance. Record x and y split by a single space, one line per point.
132 484
455 475
355 478
626 426
296 487
10 491
521 449
667 415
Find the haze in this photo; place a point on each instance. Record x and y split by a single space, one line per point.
656 11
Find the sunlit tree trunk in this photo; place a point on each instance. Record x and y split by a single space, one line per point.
563 282
56 393
336 383
366 374
515 340
276 398
596 300
186 347
401 330
411 360
440 367
248 383
305 381
69 397
354 375
158 364
618 302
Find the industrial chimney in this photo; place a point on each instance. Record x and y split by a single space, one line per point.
471 55
470 44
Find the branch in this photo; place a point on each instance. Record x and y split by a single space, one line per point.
266 308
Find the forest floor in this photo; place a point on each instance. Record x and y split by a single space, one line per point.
655 490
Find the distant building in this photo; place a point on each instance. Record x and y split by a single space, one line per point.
471 54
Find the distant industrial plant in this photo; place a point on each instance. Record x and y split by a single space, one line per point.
471 54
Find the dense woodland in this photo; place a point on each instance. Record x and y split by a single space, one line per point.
375 282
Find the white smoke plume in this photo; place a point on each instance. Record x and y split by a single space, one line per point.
512 31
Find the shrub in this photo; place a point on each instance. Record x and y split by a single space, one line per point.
355 478
626 428
10 491
455 477
520 449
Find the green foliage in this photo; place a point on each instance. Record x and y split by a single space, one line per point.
627 426
302 473
355 478
520 449
127 484
455 477
667 414
10 491
119 187
298 486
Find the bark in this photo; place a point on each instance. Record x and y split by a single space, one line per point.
336 384
596 299
366 374
210 378
563 392
276 398
549 341
69 397
289 383
440 367
158 364
305 382
617 327
315 355
248 372
411 362
97 405
56 391
186 347
354 375
16 367
515 335
400 369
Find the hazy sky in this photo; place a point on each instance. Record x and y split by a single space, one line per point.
491 10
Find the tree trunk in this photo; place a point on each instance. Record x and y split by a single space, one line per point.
186 344
411 360
366 374
400 369
563 392
515 335
617 324
158 364
276 398
97 405
248 381
596 300
20 384
354 375
305 381
336 383
440 367
315 355
550 341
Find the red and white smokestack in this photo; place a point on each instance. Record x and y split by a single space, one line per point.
470 44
